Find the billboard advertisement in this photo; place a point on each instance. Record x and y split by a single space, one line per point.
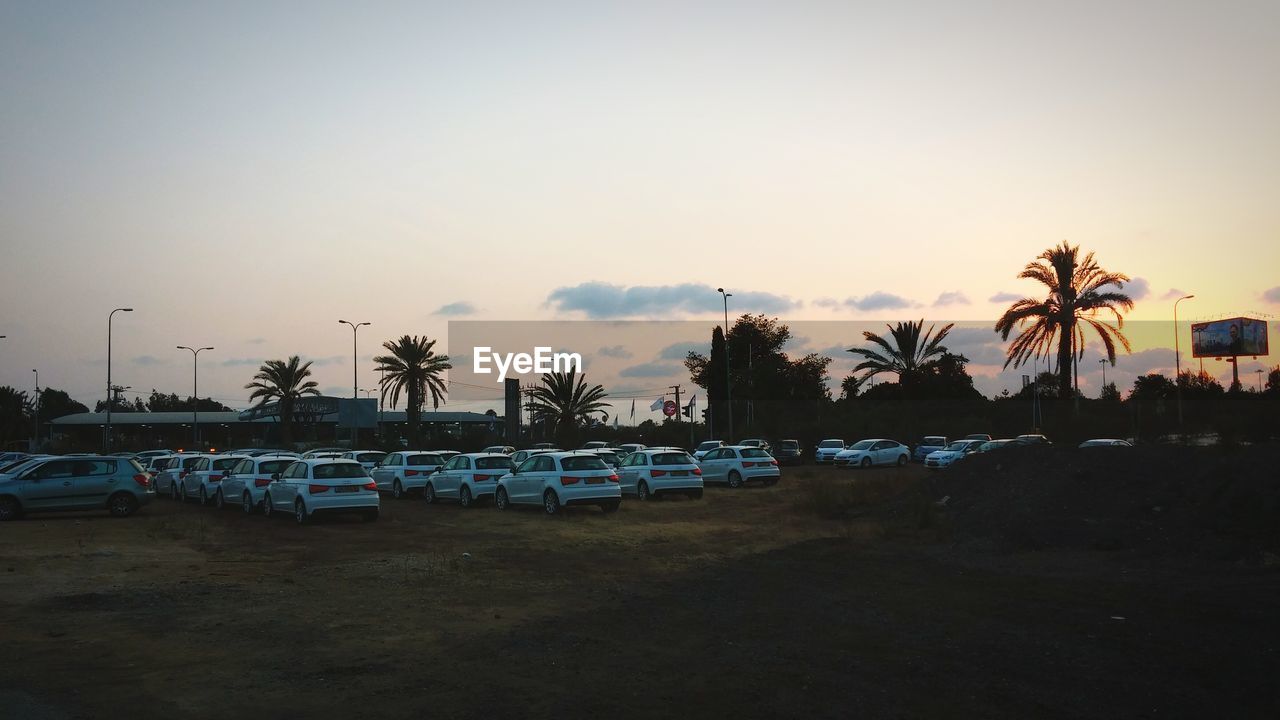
1225 338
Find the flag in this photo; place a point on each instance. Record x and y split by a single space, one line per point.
633 411
657 404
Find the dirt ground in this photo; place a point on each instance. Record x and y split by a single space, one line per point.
747 603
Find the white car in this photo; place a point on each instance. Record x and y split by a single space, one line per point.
650 474
405 471
827 450
706 447
951 453
866 453
322 486
468 477
629 448
520 456
323 454
249 479
559 479
367 458
737 464
205 478
594 445
1105 442
169 480
499 449
609 455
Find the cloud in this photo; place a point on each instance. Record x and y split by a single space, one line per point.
1173 294
148 360
329 360
826 302
1137 288
680 350
615 351
878 300
598 300
1004 297
456 309
256 341
951 298
1272 295
233 362
651 370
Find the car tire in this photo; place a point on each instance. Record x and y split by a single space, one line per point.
397 490
500 499
267 510
300 513
550 503
10 509
218 501
204 497
174 494
735 479
642 491
610 507
429 494
902 460
866 462
464 497
246 504
122 504
369 515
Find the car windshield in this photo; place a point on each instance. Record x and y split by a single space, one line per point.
933 440
340 470
958 446
831 444
862 444
493 463
225 463
673 458
608 457
789 444
271 467
711 445
370 457
754 453
424 460
578 462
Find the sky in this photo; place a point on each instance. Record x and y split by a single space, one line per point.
244 175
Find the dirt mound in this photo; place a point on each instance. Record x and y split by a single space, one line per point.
1212 502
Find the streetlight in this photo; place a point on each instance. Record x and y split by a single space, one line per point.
1103 363
728 392
37 372
1259 374
367 392
1177 355
355 374
195 392
107 442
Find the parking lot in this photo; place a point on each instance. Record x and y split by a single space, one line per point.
744 603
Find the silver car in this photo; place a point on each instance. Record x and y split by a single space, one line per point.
87 482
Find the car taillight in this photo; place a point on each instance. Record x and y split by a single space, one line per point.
410 473
142 480
569 480
658 473
483 478
746 464
313 489
218 478
370 486
696 471
261 482
182 475
773 462
613 478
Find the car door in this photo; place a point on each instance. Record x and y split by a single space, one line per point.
384 474
51 485
95 480
629 473
279 487
448 483
715 465
528 482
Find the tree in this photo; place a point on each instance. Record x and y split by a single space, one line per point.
1109 393
284 382
565 401
850 386
946 378
57 403
159 402
1273 380
16 415
1078 293
908 357
413 368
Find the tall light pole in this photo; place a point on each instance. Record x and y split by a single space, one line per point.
355 374
728 393
107 441
195 392
37 408
1258 371
1103 363
1177 355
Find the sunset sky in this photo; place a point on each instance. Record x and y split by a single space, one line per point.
244 175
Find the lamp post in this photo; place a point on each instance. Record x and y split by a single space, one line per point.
107 440
728 393
1103 363
355 374
195 392
1177 355
37 408
1258 372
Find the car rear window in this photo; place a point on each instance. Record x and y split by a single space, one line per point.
831 444
188 463
271 467
225 463
493 463
673 458
370 457
933 440
754 453
424 460
340 470
578 462
709 445
608 456
789 444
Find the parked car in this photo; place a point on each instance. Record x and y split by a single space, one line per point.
559 479
89 482
993 445
468 478
1034 440
405 471
951 453
706 447
650 474
166 481
502 449
204 480
827 450
323 455
544 446
610 457
22 463
520 456
928 444
145 456
315 486
737 464
594 445
866 453
788 452
9 458
755 443
367 458
247 483
978 436
155 464
1105 442
629 448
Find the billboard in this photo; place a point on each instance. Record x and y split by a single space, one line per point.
1225 338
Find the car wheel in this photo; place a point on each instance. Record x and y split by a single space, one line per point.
429 493
550 502
300 513
218 501
204 497
397 490
173 491
266 505
735 480
500 500
642 490
246 503
902 460
464 497
10 509
610 507
866 462
122 504
369 515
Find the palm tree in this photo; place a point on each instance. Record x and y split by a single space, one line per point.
564 399
1078 293
908 354
414 369
283 382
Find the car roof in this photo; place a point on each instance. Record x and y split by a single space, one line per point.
485 455
327 461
